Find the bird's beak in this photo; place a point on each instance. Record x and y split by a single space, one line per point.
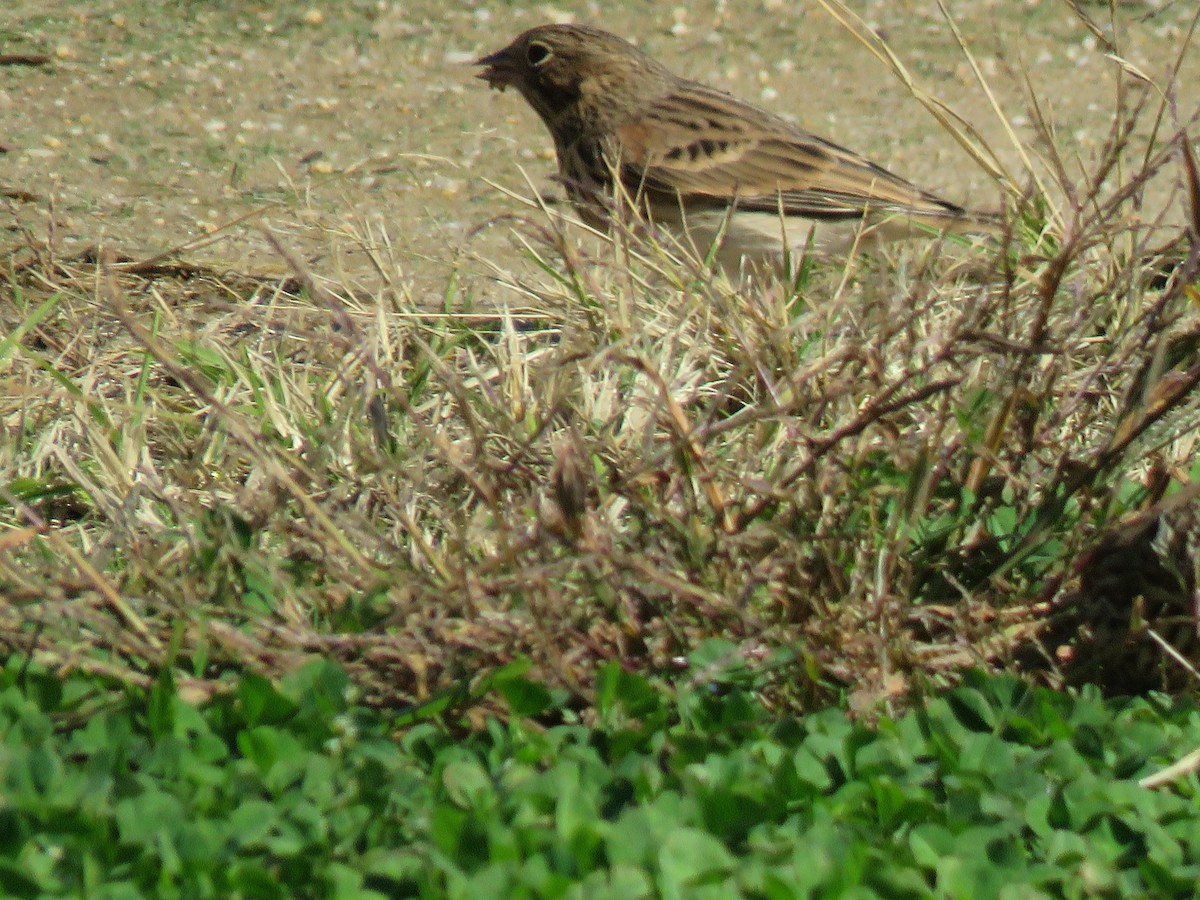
500 71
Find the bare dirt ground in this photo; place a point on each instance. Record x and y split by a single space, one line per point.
163 125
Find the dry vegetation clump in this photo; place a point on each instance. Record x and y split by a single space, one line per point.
864 482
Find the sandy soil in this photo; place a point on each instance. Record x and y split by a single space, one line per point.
156 125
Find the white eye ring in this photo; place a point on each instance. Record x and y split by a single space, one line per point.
538 54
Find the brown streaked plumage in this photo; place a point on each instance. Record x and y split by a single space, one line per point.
1136 614
696 157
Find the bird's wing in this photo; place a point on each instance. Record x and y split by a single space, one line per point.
701 146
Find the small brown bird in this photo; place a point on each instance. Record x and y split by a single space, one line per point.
1139 595
708 165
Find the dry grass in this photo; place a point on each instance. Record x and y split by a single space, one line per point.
863 483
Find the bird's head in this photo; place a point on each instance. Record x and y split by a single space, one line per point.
556 66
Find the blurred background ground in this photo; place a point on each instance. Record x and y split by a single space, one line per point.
155 125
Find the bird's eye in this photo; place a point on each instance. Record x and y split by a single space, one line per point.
537 54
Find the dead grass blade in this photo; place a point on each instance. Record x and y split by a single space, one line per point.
955 124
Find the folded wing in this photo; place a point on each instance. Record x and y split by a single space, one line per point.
701 147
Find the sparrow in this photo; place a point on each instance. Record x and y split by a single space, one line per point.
717 170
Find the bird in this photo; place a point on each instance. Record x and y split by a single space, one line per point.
717 170
1132 624
1141 576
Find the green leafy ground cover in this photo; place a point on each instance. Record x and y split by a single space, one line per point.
996 789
